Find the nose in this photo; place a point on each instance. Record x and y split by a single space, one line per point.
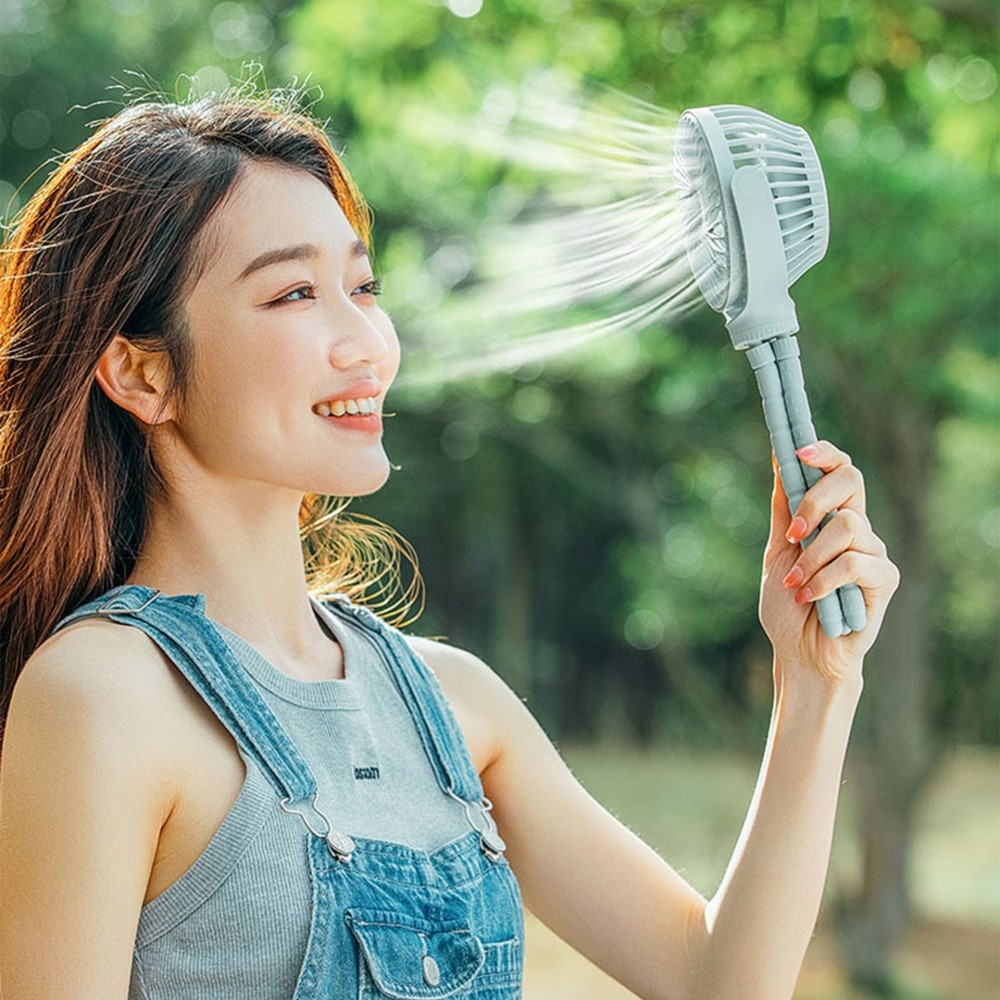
359 335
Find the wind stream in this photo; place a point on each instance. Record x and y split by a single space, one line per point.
598 252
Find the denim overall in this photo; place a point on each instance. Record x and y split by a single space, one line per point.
387 920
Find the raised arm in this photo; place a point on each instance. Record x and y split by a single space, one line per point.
610 896
770 896
82 801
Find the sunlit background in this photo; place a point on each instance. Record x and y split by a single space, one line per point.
591 523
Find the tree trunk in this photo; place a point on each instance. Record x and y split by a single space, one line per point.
895 751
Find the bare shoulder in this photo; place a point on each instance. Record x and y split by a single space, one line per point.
95 663
89 779
99 687
489 713
96 643
461 673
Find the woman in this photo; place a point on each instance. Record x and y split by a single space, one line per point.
245 792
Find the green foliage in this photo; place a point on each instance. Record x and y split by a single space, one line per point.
609 508
898 99
65 64
593 526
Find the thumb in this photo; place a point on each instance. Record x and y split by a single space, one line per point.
781 517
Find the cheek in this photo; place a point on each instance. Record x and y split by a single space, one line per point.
245 356
219 381
230 379
393 351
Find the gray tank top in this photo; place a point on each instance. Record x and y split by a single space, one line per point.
236 924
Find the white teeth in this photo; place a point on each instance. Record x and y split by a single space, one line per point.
338 407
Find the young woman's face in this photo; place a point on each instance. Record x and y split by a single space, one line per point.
292 354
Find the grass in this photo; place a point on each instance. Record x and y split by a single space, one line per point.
690 808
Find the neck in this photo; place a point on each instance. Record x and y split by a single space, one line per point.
243 553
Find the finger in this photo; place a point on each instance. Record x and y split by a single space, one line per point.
843 488
875 575
823 455
844 532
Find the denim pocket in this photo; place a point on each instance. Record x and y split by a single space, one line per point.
409 958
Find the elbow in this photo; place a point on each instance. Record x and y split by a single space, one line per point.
695 942
716 970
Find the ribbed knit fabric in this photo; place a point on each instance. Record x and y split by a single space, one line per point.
236 924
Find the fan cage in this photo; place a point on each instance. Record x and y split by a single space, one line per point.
789 160
704 214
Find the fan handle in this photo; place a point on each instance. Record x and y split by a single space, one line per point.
786 353
776 366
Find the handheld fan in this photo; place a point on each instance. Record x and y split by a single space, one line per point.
755 218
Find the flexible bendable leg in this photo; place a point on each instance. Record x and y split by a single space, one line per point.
765 368
786 353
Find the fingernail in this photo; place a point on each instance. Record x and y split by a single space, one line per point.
808 453
804 596
797 529
794 578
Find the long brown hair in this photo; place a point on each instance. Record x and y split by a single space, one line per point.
108 244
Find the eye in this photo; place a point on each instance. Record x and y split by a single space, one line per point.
301 294
371 287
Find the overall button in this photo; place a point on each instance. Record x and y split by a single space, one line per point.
432 974
341 846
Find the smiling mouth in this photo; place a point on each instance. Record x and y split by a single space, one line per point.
363 407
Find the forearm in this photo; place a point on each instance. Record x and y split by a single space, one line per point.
757 927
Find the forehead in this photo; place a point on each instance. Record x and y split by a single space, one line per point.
272 206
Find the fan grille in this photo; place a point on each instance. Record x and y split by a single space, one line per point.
705 215
788 158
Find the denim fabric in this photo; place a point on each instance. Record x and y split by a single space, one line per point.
421 925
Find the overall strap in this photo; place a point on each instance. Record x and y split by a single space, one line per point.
439 732
179 626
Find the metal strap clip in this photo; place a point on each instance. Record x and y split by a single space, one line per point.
478 814
340 845
109 608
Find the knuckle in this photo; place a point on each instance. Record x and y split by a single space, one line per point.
851 563
840 527
842 516
851 520
821 584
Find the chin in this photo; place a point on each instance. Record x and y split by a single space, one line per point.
360 483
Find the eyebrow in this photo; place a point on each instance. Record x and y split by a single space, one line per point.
300 251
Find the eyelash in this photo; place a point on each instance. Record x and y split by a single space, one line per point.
372 287
287 297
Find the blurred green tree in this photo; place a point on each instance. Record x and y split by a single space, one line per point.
593 525
65 64
900 332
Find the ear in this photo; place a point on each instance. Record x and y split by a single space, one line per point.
136 380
